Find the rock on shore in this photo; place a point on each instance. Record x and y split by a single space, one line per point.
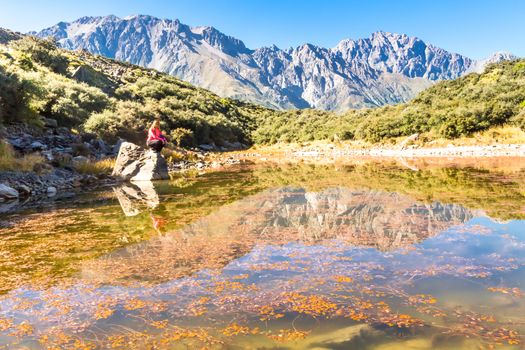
137 164
7 192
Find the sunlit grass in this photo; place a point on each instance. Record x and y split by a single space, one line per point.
172 155
496 135
104 166
177 154
10 161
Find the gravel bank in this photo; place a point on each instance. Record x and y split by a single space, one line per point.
451 151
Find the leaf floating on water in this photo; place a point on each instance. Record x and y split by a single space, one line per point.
401 321
516 292
267 312
160 324
134 304
241 277
116 341
235 329
312 305
286 335
22 330
422 299
5 324
198 308
342 279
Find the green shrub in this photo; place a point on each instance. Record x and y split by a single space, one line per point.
519 120
69 102
44 52
14 97
182 137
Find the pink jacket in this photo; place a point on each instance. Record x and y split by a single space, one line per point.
155 134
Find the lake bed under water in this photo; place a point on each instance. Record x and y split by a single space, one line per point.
363 255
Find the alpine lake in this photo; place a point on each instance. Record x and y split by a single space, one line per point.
363 254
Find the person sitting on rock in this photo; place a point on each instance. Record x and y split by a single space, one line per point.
156 140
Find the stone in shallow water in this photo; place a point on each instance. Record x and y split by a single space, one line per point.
136 164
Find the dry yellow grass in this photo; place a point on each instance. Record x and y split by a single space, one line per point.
103 166
9 160
495 135
172 155
178 154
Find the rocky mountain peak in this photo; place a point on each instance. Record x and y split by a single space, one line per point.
217 39
384 68
479 66
7 35
500 56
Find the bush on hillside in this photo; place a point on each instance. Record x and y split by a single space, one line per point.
182 137
14 97
69 102
35 78
519 119
44 52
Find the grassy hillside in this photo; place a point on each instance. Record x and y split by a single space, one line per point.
99 95
449 109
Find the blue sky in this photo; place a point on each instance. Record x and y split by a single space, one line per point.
474 28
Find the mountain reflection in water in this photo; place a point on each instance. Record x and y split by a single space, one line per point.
291 257
381 220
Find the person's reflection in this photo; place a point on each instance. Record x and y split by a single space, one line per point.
158 223
140 196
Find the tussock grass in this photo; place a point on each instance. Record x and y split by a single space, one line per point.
103 166
10 162
173 155
496 135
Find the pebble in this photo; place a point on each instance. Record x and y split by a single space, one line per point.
51 191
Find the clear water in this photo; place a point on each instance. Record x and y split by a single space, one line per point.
361 255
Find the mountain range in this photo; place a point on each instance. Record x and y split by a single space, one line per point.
386 68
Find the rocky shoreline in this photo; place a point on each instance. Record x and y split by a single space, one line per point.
61 149
54 174
21 189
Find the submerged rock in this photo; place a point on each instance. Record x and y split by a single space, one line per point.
137 164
